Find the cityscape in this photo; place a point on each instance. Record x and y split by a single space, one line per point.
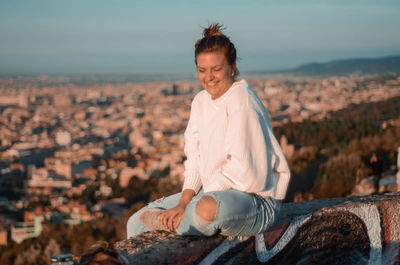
95 98
63 141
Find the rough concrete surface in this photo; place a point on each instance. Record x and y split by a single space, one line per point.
350 230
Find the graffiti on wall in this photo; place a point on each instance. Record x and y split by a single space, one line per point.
366 234
365 231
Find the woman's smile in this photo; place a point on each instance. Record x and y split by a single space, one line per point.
214 73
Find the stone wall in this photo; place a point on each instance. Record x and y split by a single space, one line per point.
351 230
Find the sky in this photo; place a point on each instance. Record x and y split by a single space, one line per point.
158 36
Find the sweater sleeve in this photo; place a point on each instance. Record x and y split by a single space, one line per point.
191 149
246 156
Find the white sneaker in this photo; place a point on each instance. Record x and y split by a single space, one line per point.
149 218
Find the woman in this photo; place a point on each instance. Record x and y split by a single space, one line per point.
235 172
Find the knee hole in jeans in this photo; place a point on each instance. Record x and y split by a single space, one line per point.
207 208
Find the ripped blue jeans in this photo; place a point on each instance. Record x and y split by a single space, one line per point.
238 214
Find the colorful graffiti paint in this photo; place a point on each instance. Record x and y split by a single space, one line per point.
362 230
361 233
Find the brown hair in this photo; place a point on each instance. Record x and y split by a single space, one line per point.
214 40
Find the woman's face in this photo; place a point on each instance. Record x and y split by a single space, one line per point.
214 73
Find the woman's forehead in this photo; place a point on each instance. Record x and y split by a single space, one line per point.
211 58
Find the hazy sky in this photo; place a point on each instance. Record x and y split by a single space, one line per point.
149 36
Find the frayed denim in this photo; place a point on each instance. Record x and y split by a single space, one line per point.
238 214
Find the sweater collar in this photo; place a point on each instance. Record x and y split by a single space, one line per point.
220 101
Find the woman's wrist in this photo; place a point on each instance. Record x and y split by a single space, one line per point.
182 205
186 197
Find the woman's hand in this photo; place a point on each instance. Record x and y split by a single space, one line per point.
172 218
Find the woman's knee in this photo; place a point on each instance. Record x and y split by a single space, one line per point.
206 208
200 217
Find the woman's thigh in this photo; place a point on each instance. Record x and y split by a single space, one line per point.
238 214
165 202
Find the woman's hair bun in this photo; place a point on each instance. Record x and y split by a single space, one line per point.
214 40
213 30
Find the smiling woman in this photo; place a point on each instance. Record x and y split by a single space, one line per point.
215 58
235 172
214 73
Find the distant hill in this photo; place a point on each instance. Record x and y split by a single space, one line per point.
359 66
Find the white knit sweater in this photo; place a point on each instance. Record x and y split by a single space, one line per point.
229 144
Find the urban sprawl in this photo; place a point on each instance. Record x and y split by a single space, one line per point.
55 135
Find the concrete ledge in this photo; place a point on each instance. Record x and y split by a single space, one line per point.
350 230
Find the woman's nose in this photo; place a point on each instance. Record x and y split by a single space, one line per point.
210 76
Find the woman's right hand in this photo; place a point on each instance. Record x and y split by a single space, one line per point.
171 218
